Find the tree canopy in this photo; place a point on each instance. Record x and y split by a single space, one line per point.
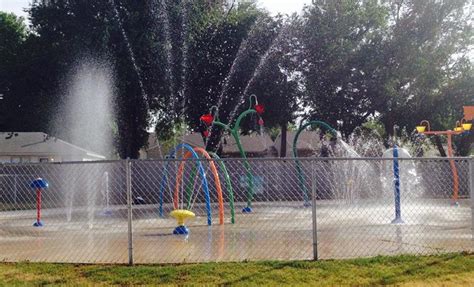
347 62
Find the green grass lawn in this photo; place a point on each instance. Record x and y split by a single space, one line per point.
449 269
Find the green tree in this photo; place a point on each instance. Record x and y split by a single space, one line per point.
233 55
180 22
222 56
65 32
428 74
340 55
13 33
277 85
397 61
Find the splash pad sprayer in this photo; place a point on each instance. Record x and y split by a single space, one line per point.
181 215
212 119
39 185
396 180
299 168
184 212
462 127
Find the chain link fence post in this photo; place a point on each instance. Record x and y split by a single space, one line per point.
471 191
128 175
313 212
2 193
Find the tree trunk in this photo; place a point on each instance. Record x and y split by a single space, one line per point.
284 128
463 144
439 145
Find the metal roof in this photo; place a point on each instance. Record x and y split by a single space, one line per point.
306 141
39 143
250 143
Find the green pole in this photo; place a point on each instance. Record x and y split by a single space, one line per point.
235 133
299 168
190 186
228 183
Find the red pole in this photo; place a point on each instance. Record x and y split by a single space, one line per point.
454 170
38 205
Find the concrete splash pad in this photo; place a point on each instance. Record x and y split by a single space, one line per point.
275 230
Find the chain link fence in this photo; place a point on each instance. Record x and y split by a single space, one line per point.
119 211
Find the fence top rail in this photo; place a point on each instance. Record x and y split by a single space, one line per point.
313 159
61 162
277 159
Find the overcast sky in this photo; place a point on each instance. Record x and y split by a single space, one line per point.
282 6
274 6
15 6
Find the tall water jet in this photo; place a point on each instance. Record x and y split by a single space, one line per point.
185 18
237 61
130 50
176 51
134 62
263 61
86 119
86 116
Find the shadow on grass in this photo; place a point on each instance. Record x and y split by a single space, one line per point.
243 279
415 269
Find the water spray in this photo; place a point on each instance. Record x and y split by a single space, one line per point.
299 168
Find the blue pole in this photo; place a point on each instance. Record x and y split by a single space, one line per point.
396 175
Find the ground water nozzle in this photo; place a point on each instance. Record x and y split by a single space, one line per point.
181 215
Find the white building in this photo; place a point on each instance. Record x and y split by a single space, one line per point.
18 147
308 143
254 146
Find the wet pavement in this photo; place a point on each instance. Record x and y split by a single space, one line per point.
275 230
